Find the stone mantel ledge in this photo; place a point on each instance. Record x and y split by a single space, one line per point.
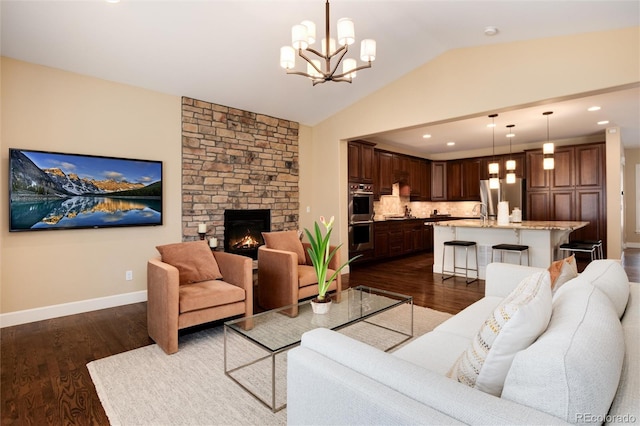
565 225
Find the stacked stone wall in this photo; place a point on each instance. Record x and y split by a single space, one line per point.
235 159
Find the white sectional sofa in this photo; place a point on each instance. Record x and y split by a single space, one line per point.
583 368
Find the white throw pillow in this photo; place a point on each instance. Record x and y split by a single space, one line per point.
514 325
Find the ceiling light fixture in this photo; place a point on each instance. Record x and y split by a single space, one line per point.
494 167
603 122
548 162
490 31
303 36
451 143
426 136
593 108
511 163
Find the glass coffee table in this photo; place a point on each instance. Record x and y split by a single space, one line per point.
252 344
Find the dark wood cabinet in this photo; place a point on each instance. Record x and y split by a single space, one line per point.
463 180
438 181
385 172
397 238
575 189
360 159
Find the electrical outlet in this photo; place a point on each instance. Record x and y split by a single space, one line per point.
128 275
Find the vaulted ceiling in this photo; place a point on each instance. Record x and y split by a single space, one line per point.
227 52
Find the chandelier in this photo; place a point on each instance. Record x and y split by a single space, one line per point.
303 36
547 148
511 163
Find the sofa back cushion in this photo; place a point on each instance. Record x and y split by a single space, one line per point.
573 369
609 276
513 325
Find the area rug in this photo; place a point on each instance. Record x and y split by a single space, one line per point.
147 387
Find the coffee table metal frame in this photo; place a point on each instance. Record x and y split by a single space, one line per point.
361 303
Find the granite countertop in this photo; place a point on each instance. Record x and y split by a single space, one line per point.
425 219
525 224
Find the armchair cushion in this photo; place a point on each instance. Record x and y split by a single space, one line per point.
285 241
193 259
208 294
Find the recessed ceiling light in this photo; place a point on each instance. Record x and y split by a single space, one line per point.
602 123
490 31
594 108
451 143
426 136
112 1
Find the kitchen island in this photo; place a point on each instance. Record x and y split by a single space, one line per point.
542 237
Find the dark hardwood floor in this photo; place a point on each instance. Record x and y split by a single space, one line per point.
45 381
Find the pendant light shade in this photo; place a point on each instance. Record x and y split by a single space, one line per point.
511 163
548 162
494 167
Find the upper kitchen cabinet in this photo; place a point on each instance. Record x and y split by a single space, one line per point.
463 180
361 161
384 172
438 181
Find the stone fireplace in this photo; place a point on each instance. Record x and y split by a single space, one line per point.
236 160
243 230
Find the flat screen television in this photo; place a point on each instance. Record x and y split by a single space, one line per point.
51 190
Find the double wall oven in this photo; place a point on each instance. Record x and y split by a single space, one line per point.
360 217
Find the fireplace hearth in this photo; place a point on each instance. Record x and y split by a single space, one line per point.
243 230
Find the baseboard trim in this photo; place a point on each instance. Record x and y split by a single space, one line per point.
47 312
632 245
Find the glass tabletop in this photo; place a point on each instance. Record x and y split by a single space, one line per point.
276 330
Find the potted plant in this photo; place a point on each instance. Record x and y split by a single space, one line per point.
321 255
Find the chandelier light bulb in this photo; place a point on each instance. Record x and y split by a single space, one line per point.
494 183
311 31
368 50
287 57
494 168
511 177
332 46
548 148
348 65
346 31
510 165
299 36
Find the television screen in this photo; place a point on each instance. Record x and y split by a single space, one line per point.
50 190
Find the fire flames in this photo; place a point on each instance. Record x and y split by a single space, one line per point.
246 242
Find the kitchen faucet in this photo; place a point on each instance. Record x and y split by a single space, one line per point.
482 213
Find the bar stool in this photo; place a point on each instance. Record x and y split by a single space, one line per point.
574 247
597 243
515 248
466 245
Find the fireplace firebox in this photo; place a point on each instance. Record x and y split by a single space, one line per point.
243 230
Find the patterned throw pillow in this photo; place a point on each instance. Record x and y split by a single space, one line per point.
514 325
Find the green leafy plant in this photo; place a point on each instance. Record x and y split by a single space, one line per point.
321 255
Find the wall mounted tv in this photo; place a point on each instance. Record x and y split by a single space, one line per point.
51 190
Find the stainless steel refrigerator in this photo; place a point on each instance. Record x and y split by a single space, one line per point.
511 192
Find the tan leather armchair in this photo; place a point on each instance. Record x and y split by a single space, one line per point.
173 306
283 281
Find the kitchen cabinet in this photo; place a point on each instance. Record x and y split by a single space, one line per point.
399 237
360 158
385 173
463 180
438 181
575 189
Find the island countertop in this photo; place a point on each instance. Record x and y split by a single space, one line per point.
562 225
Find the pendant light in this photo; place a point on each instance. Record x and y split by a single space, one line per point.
494 167
548 162
511 163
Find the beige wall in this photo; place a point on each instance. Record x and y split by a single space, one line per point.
631 196
472 81
48 109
